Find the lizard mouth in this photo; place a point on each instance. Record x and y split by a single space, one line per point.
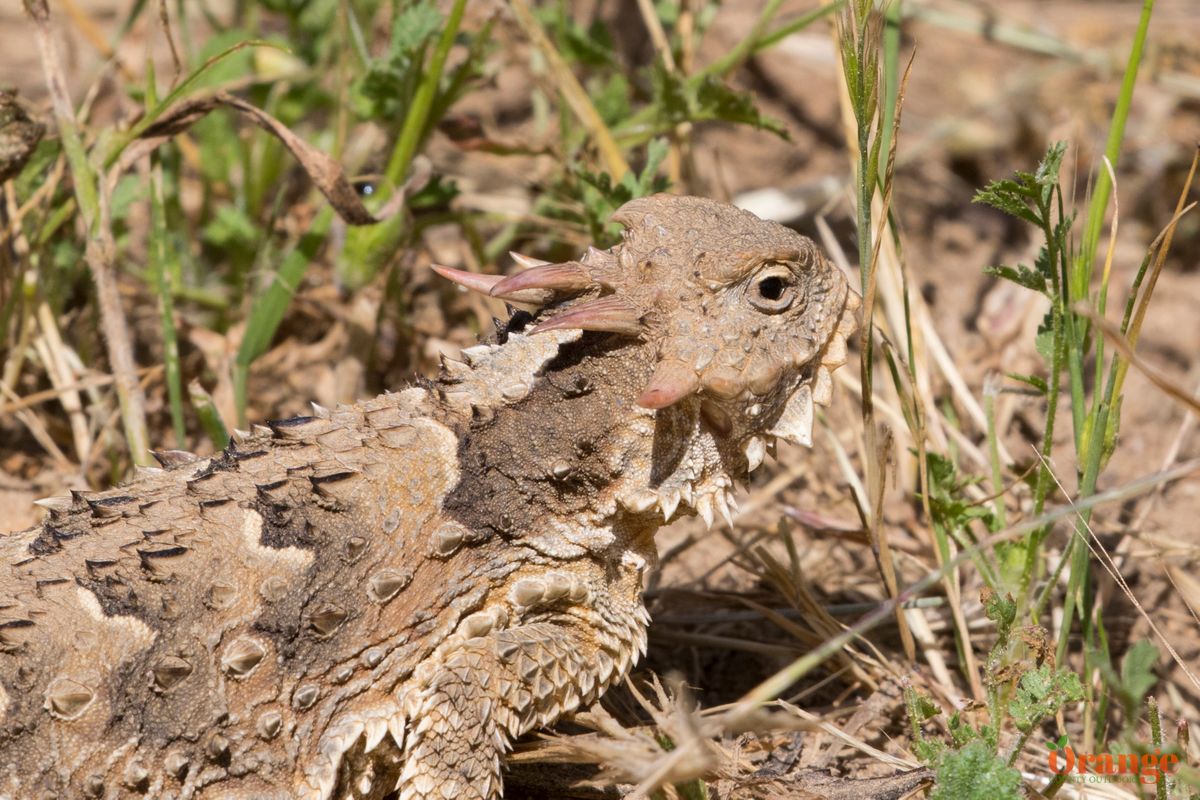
728 443
795 420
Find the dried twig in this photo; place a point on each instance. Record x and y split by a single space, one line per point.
101 251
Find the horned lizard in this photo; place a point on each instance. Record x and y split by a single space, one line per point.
376 600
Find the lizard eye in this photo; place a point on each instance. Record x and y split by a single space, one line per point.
773 290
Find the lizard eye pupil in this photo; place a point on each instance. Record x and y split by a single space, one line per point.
771 288
773 292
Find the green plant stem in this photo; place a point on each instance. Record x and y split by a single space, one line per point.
1156 737
745 47
269 308
160 255
210 418
779 34
1055 784
893 12
1112 150
1091 425
1018 746
1043 600
416 121
1042 482
989 410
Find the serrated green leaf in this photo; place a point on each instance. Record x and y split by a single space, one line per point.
975 773
961 731
715 100
947 499
1020 275
1001 609
1047 170
385 89
413 28
1040 694
1009 196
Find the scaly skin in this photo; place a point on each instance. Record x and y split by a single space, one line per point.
19 135
383 597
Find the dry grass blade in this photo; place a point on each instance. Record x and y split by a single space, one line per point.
52 351
778 683
1113 334
46 395
572 92
325 172
100 252
1163 244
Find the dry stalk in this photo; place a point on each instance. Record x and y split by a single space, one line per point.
572 92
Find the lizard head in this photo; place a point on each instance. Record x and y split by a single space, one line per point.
740 322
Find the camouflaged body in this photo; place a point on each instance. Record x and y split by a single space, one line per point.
378 599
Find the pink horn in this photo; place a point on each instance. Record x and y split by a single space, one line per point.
609 314
672 381
567 277
484 284
524 261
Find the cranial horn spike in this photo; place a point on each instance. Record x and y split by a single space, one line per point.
606 314
567 277
597 257
526 261
474 281
483 284
672 381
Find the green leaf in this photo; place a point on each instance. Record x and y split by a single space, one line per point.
715 100
611 99
590 46
1029 380
947 497
1000 609
677 99
975 773
1040 694
1137 676
1047 171
1011 197
412 28
601 196
1020 275
961 732
231 229
385 89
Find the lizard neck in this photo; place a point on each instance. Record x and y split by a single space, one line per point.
553 441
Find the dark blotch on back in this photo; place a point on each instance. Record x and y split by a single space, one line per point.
585 394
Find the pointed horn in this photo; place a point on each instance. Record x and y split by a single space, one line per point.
468 280
796 421
608 314
483 284
525 261
568 277
672 381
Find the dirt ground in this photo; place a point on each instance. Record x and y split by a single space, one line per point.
985 99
